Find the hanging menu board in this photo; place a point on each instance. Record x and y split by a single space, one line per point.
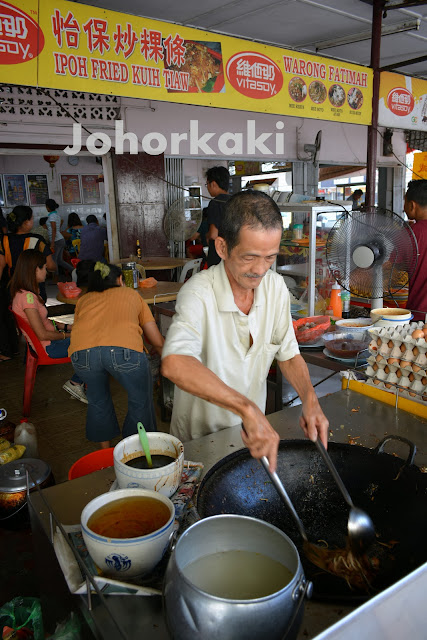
90 189
16 192
70 187
37 189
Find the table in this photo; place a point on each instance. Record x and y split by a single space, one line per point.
158 263
166 290
141 617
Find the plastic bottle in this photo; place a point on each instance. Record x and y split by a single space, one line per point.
329 311
336 303
25 433
345 301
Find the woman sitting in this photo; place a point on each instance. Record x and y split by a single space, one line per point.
30 272
110 321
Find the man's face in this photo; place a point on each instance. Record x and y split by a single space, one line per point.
252 257
409 209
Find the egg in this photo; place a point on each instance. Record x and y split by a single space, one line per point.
399 373
424 381
425 398
390 344
375 367
416 368
378 358
379 341
376 381
425 332
415 351
402 348
393 361
418 333
411 377
386 369
411 393
404 364
388 385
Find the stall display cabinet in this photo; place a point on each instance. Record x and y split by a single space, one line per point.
303 259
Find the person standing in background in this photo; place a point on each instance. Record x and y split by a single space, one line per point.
415 207
74 226
57 242
92 238
355 198
217 183
3 224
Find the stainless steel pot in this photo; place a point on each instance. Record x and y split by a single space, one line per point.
194 613
13 488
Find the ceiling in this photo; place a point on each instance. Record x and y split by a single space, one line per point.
297 24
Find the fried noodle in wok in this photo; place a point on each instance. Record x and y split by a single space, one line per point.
200 64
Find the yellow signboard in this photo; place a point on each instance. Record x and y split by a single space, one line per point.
419 168
98 51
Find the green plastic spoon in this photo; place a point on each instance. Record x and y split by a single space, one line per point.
144 442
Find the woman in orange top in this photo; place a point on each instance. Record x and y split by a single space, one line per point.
109 324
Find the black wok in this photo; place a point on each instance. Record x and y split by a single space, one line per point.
392 491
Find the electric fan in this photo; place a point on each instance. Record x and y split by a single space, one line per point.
372 253
181 221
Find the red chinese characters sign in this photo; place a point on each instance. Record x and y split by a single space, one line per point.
89 49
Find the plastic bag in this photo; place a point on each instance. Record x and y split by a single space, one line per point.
319 304
24 614
68 630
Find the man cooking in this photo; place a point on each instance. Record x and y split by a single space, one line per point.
231 321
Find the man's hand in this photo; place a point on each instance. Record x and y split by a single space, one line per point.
313 421
259 436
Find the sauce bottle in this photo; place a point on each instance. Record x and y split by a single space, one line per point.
138 250
336 303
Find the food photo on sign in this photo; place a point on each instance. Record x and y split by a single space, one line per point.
201 69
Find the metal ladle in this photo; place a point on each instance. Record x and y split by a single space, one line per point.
361 531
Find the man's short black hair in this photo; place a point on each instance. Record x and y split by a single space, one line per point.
253 209
220 175
92 218
417 192
358 192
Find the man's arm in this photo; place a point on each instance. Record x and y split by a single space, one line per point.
313 421
190 375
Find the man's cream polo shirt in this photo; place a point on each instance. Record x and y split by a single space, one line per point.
209 326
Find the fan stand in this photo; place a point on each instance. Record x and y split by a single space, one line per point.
364 257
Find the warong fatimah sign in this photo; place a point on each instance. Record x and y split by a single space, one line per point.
68 45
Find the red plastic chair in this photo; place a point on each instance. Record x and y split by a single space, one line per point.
35 356
75 262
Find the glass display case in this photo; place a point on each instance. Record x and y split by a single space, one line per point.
302 257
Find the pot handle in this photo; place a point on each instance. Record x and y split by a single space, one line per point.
303 590
412 447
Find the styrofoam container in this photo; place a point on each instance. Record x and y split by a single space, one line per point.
363 324
165 479
126 557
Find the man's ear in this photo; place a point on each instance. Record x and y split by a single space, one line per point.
221 247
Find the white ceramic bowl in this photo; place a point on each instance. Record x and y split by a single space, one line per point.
390 317
166 479
363 325
124 558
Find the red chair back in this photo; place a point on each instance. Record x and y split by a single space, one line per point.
34 343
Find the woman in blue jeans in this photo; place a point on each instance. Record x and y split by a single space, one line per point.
110 323
30 272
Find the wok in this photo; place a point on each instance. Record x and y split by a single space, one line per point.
391 490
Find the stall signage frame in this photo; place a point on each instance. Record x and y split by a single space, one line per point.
71 191
91 193
15 189
84 48
37 195
402 102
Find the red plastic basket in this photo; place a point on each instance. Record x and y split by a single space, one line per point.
311 334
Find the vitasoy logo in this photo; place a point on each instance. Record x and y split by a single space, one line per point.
21 39
254 75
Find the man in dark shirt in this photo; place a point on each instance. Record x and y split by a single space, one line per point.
217 182
415 208
92 238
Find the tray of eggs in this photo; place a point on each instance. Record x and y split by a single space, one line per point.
398 358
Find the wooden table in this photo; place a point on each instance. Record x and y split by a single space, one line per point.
158 263
166 290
